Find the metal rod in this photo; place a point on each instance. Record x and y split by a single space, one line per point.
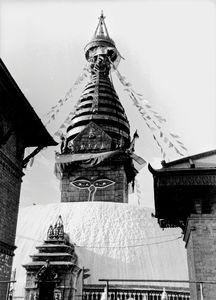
201 291
31 155
157 280
8 290
82 282
107 289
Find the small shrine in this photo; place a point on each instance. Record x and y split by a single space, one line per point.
53 272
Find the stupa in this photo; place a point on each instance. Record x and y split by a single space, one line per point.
95 166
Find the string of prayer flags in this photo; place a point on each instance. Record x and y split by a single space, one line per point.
67 121
51 115
155 122
138 191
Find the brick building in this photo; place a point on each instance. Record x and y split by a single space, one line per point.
185 197
20 127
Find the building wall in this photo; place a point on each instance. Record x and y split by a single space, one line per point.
201 249
5 271
11 155
116 192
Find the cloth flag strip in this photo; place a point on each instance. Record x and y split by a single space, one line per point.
138 191
155 122
51 115
87 160
138 161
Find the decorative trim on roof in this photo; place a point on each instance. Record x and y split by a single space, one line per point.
189 159
188 180
193 157
56 232
7 248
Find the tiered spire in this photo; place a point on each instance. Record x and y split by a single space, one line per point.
99 102
95 163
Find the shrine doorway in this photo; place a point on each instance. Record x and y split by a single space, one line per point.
46 291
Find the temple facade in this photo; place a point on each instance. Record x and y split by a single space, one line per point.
53 272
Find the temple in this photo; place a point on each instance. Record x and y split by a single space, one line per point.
99 235
54 266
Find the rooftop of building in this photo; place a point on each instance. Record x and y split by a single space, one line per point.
197 162
18 109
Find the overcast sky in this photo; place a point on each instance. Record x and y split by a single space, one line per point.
169 52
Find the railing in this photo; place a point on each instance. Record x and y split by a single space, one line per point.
126 293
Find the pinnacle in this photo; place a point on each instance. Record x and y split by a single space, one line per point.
101 29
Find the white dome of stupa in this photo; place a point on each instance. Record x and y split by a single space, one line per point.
113 240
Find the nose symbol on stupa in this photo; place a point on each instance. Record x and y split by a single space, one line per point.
92 186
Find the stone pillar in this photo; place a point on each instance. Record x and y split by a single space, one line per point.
200 239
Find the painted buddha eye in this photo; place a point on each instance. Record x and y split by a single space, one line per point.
81 183
101 183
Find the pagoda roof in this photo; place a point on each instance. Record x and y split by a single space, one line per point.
54 246
51 254
52 263
178 183
193 163
18 109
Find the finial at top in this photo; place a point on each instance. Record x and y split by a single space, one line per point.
56 231
102 15
101 43
101 30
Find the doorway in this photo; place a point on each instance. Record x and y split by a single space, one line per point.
46 291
